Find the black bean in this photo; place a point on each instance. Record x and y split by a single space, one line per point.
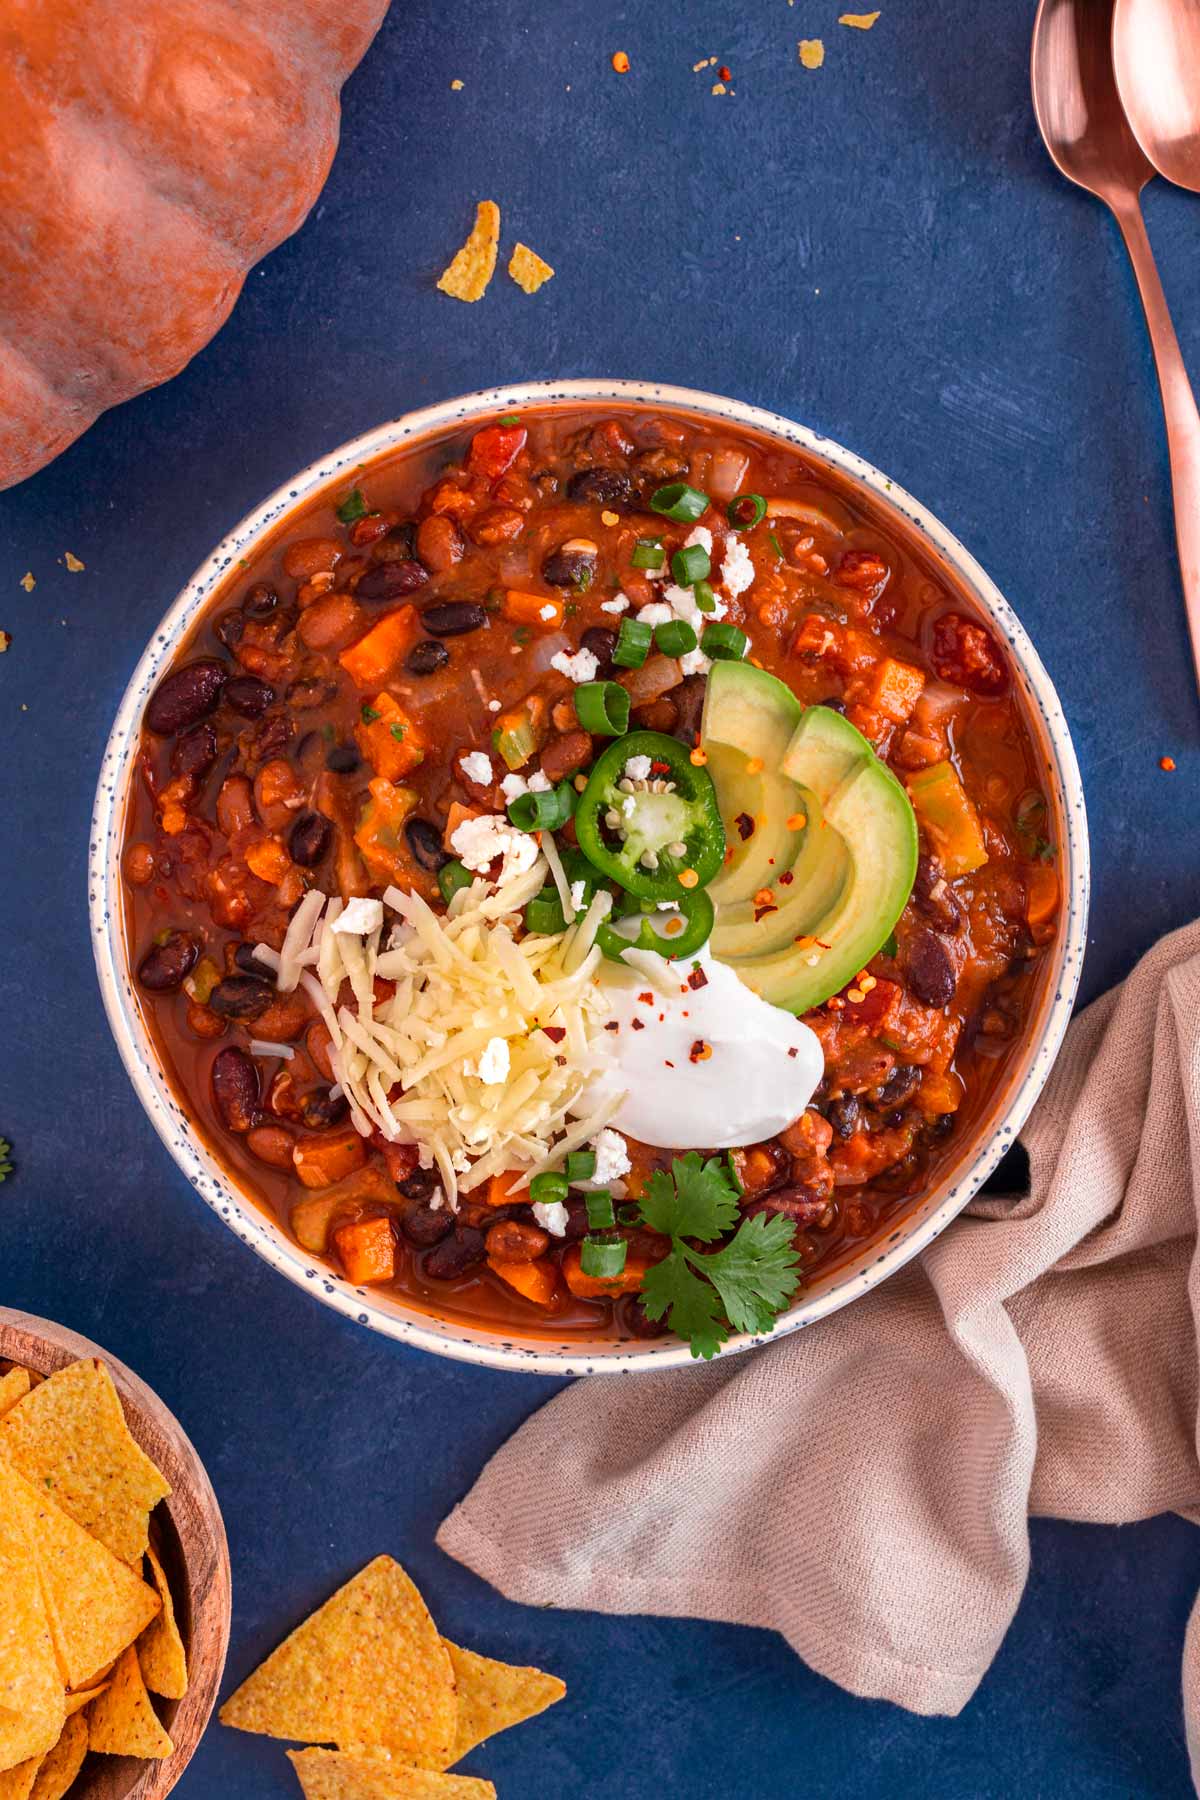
389 580
455 1255
900 1086
689 704
343 759
568 568
229 628
164 965
601 642
398 546
577 1221
245 959
425 842
606 487
843 1115
424 1227
308 692
308 840
195 752
319 1108
935 897
241 997
248 695
426 656
453 618
235 1090
633 1318
419 1185
939 1128
260 600
185 697
928 968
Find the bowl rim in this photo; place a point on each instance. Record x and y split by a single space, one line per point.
992 1134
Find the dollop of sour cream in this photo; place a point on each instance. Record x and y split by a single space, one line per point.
709 1066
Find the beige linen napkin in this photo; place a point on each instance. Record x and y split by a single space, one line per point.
863 1486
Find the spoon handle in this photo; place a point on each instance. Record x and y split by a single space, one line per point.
1179 409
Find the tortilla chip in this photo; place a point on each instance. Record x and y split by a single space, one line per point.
812 52
160 1647
332 1775
858 21
468 275
528 270
17 1784
494 1695
368 1667
64 1762
13 1387
69 1437
123 1722
96 1606
31 1697
84 1696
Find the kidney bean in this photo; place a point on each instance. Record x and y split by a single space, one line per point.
319 1108
229 628
633 1318
391 580
164 965
425 842
139 864
426 657
271 1144
563 755
453 618
185 697
235 1090
248 696
424 1227
601 642
843 1115
260 601
440 543
343 759
604 487
235 805
514 1241
928 968
195 752
455 1255
241 997
900 1086
418 1184
567 568
309 838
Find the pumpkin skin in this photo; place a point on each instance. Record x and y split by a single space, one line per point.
151 151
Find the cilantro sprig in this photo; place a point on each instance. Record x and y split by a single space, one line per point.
705 1294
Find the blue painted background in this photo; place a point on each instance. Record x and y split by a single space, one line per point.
880 249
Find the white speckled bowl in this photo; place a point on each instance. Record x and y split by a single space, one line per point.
993 1133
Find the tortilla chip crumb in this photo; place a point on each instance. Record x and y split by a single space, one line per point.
457 86
718 87
859 21
468 275
5 641
28 582
812 52
73 563
702 64
620 62
528 270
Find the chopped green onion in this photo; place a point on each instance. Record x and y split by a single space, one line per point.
680 502
451 877
601 1216
745 511
704 597
602 707
775 545
648 553
544 915
545 811
675 637
633 644
690 564
603 1258
549 1188
724 643
581 1166
731 1171
352 507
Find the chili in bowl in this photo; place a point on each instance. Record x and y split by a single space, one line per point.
589 876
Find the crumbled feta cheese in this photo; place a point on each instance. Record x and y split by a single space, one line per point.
737 569
548 612
695 663
359 916
437 1199
699 534
661 573
578 890
638 768
657 613
612 1157
552 1217
477 767
682 601
492 1066
493 706
539 783
580 667
618 604
513 786
666 906
478 842
628 805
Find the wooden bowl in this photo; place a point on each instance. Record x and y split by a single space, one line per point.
189 1537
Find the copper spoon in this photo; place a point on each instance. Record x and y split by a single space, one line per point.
1156 57
1084 128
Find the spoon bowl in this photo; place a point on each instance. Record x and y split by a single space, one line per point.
1156 59
1078 107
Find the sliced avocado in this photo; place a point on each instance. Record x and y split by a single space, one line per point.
817 880
750 716
824 748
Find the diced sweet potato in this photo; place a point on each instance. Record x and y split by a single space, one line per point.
310 1219
534 609
536 1281
371 660
388 738
506 1189
367 1249
323 1157
596 1287
268 859
893 688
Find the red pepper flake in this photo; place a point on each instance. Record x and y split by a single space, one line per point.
612 1025
556 1033
667 1065
725 73
697 979
637 1025
1167 763
793 1051
658 767
647 999
745 826
787 878
700 1051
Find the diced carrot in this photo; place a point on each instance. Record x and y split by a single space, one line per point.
537 1281
371 660
456 816
323 1157
367 1249
500 1189
533 609
494 448
380 834
1041 901
893 688
593 1287
268 859
391 742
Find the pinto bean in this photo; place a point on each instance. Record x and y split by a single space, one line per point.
271 1144
456 1255
309 556
563 755
317 1041
329 622
497 525
284 1019
162 969
514 1241
185 697
203 1021
928 968
235 1090
235 805
440 543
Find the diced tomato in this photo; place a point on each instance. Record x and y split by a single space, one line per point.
968 655
494 448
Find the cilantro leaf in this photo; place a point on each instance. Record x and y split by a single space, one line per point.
697 1200
755 1273
352 507
692 1307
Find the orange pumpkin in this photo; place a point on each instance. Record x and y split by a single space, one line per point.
151 151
